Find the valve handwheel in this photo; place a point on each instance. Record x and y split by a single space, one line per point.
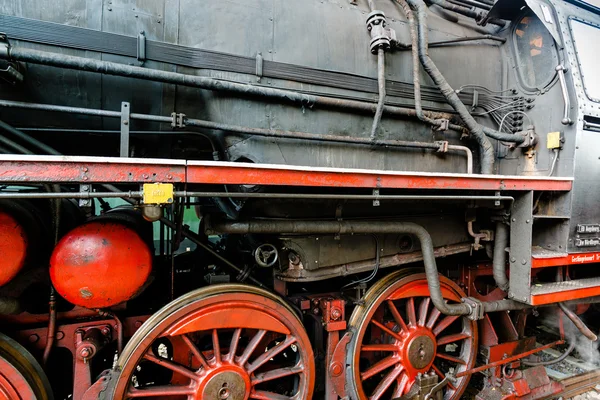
399 335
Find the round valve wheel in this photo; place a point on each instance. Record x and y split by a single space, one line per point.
222 342
400 339
21 377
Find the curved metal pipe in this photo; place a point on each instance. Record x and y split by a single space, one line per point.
381 87
499 259
356 227
288 96
416 64
578 323
487 150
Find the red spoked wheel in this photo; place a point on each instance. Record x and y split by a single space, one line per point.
223 342
399 337
21 377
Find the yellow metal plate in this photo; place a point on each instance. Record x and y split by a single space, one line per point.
158 193
553 140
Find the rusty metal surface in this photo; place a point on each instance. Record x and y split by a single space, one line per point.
56 169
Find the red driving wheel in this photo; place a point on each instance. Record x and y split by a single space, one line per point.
223 342
400 337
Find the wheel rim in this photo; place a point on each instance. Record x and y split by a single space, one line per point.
399 334
21 377
224 342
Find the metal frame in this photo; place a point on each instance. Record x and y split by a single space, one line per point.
68 169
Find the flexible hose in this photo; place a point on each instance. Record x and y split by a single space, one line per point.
554 360
487 150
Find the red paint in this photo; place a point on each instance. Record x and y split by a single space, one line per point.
100 264
13 248
569 259
541 299
270 175
89 171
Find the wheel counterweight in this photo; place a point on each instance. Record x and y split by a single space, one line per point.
223 342
399 336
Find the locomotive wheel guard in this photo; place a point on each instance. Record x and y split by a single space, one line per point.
413 342
247 312
21 377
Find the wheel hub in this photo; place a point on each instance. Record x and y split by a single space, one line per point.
226 385
421 351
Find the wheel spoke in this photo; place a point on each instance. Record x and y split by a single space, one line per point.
272 352
423 309
160 391
386 329
276 374
435 314
442 376
451 358
173 366
379 366
234 343
263 395
401 386
410 311
397 316
444 324
195 351
387 382
453 338
379 347
251 347
216 347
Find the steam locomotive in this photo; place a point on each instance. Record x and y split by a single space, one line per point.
355 199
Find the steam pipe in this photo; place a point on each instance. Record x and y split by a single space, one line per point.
116 69
364 227
32 141
578 323
477 16
499 259
487 151
381 87
416 64
437 146
50 335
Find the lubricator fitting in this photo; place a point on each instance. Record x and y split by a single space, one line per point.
381 35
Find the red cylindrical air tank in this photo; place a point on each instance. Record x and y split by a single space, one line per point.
100 264
13 247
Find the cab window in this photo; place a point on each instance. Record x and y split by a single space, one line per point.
537 56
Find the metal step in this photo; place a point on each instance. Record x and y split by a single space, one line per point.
557 287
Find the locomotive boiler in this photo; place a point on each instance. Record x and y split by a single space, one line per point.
319 199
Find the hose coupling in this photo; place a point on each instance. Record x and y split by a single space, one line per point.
476 306
381 35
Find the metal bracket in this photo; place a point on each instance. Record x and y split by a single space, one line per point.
566 120
141 47
530 137
178 120
85 189
475 100
476 306
259 66
376 202
381 35
125 121
443 146
444 125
